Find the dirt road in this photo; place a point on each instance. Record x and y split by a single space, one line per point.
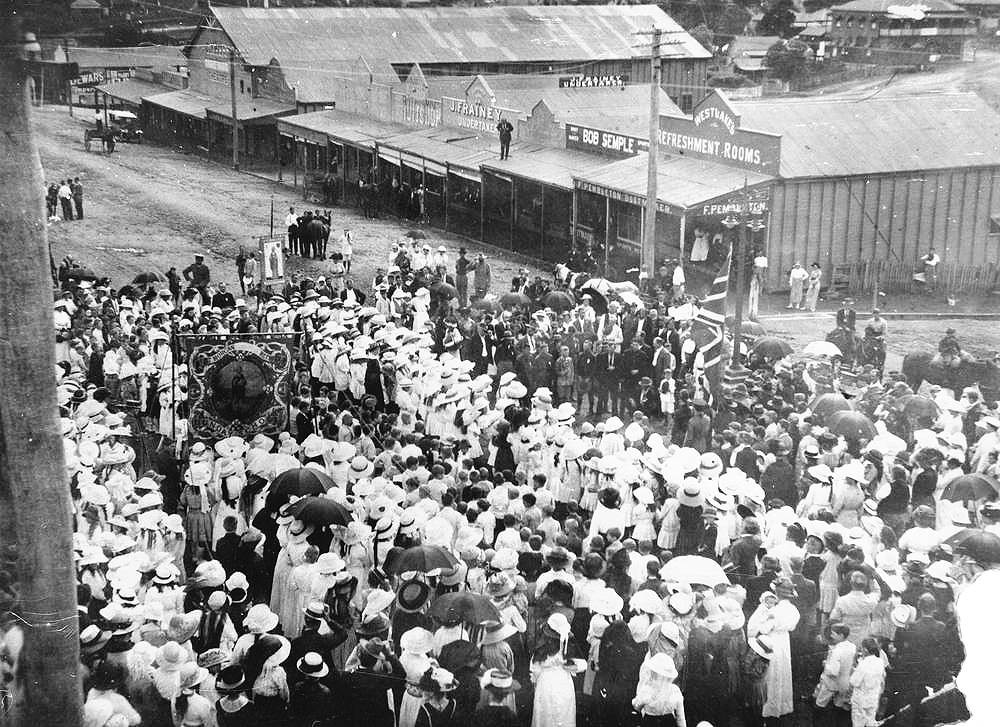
147 207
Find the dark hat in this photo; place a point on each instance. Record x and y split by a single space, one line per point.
375 625
412 596
593 565
459 655
231 679
609 497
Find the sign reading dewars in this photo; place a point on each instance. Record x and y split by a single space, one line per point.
473 115
606 143
714 133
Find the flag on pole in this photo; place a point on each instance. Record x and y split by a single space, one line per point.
710 320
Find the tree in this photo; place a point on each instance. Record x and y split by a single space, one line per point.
45 688
787 59
779 16
703 34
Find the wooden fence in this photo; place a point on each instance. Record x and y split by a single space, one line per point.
900 277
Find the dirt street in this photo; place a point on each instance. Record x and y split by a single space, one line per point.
147 207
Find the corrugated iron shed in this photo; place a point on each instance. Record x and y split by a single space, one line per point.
843 136
157 57
514 34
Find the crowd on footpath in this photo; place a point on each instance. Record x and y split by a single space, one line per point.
65 198
496 510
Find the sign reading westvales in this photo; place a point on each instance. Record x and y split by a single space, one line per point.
714 133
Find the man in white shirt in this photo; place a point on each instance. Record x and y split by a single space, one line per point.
65 196
292 225
931 261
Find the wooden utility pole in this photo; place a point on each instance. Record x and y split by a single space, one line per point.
647 258
32 469
232 104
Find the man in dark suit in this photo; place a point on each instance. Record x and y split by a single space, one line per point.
635 365
757 586
662 361
607 379
846 316
648 399
352 294
741 560
478 348
312 640
673 339
923 651
649 325
745 456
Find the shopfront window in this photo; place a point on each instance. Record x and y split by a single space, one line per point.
629 219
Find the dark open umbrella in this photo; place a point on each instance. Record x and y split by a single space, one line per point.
147 278
422 558
916 407
771 347
319 511
752 329
974 486
851 425
559 300
509 300
597 299
301 481
826 404
81 274
416 234
473 608
444 290
976 544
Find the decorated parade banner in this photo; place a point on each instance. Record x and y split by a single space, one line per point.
238 384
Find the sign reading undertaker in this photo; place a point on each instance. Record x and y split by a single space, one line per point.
713 132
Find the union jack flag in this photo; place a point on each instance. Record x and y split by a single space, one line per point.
710 320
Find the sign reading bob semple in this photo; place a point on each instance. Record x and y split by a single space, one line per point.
714 133
607 143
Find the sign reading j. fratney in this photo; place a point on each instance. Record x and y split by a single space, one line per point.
607 143
714 133
473 115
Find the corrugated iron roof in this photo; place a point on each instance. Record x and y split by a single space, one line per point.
555 167
515 34
158 57
185 102
457 147
249 109
845 136
683 182
929 7
132 90
358 130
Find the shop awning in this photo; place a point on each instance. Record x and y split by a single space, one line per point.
183 102
132 91
545 165
338 126
439 147
249 110
685 185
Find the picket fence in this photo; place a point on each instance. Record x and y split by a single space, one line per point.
900 277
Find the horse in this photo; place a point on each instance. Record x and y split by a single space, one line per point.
313 233
867 350
920 366
107 137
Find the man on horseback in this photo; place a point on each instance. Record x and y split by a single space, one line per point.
847 316
875 328
950 352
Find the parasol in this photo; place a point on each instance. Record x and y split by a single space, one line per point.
694 569
916 407
826 404
147 278
319 511
629 298
473 608
974 486
976 544
822 349
488 304
559 300
752 329
509 300
421 558
444 290
771 347
598 301
851 425
301 481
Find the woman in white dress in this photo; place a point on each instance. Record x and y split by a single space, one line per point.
415 646
867 682
292 553
552 675
777 616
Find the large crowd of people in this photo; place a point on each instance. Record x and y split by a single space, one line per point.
525 509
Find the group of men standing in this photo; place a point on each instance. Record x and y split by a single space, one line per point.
67 194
